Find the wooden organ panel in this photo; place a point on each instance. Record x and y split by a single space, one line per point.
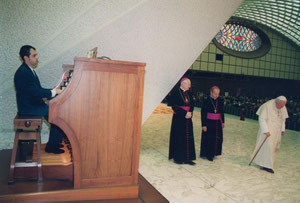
100 111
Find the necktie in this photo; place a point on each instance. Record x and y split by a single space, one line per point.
34 73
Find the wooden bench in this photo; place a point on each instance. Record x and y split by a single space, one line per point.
27 128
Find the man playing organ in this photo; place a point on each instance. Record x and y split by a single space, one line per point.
30 94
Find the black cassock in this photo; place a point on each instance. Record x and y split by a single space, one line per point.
182 147
212 139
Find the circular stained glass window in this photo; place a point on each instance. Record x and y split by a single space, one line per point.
242 41
238 38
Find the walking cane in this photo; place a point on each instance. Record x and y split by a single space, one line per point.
258 150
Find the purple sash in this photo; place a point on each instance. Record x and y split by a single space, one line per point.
186 108
214 116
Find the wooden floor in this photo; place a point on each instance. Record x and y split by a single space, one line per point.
52 159
147 193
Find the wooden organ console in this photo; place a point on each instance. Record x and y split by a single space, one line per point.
100 111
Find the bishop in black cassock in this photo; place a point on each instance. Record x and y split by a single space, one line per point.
182 147
213 122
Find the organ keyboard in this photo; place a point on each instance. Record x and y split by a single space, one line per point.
66 77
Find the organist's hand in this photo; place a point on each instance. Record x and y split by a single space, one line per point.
58 91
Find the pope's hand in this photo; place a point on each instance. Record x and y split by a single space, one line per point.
267 134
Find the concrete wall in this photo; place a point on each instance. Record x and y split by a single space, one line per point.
167 35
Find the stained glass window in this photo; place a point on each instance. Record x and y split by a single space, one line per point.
238 38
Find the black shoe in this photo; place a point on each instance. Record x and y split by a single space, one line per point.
267 169
54 150
210 158
61 146
190 163
178 162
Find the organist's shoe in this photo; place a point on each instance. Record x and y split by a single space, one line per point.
54 150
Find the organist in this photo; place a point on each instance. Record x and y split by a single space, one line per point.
30 94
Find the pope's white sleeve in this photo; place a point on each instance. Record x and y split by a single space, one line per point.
283 126
263 125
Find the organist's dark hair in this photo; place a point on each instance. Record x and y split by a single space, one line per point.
25 51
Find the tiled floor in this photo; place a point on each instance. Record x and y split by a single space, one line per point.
229 178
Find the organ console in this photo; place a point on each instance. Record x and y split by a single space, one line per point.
100 111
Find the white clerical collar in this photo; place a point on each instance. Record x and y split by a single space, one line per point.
212 97
183 89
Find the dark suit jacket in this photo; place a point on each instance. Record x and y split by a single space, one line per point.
29 92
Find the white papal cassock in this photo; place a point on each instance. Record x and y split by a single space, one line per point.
271 120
